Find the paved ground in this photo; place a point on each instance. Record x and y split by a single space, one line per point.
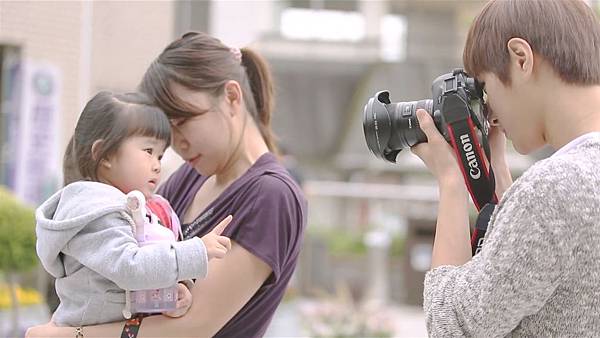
409 322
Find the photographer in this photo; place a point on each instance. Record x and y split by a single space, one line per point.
538 273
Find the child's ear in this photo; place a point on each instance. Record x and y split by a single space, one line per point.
96 147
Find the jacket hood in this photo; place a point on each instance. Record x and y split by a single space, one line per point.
67 212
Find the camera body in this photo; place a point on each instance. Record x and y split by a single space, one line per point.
390 127
459 112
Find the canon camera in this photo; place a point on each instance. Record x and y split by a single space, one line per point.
390 126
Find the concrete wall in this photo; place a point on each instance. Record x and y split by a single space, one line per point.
49 32
96 46
126 38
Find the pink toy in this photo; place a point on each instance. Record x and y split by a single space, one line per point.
147 231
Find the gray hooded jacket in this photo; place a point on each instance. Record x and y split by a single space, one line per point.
85 240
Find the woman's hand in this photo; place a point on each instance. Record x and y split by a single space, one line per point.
184 302
217 245
437 154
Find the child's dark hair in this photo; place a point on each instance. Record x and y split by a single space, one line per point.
110 118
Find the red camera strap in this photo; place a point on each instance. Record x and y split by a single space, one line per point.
472 155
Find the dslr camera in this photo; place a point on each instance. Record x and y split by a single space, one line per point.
390 126
459 112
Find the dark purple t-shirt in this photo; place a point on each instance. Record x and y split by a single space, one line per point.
269 217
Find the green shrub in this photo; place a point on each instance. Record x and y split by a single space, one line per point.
397 246
343 242
340 242
17 234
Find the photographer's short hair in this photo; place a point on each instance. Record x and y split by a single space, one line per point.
111 118
565 33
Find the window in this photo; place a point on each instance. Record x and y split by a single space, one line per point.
326 25
325 20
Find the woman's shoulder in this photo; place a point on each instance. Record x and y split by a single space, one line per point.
275 182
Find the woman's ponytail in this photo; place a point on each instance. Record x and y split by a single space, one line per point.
261 86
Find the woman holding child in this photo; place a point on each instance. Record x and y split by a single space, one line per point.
219 102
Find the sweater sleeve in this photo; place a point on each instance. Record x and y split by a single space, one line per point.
108 247
524 258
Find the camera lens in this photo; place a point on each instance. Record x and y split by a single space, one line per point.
391 127
377 124
406 125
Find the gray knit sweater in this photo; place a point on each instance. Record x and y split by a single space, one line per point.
539 271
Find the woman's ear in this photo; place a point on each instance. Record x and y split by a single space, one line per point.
521 57
233 94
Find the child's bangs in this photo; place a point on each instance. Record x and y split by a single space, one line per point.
143 120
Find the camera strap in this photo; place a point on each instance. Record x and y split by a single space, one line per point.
478 176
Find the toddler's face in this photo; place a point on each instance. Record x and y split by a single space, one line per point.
136 165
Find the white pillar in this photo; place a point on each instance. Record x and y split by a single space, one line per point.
373 12
378 244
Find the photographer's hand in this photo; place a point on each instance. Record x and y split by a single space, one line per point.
452 237
437 154
497 142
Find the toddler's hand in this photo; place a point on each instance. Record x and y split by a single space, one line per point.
184 302
217 245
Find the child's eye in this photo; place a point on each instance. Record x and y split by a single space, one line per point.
160 157
148 150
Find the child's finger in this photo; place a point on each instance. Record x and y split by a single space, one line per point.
220 252
221 226
182 303
225 242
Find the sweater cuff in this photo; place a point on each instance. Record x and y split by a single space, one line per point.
192 259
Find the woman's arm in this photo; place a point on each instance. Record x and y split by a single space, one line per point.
230 283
